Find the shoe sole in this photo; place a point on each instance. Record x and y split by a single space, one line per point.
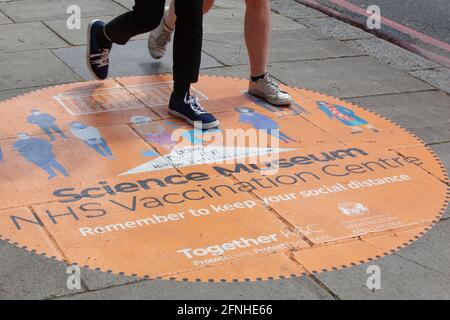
166 9
205 126
150 50
88 50
272 102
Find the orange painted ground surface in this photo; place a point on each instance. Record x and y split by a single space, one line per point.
100 175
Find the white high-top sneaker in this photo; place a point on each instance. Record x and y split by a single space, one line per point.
159 39
269 89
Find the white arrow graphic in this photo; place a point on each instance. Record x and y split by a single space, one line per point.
195 155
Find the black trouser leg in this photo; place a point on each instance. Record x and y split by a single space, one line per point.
145 17
187 47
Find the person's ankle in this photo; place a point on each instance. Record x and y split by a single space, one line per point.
166 26
180 90
258 77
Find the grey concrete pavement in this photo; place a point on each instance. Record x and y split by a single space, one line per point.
20 70
40 10
323 54
132 60
28 36
287 45
300 288
409 108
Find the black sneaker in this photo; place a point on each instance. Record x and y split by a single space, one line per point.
97 56
190 110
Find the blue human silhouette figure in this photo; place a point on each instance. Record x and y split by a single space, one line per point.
92 137
40 153
262 123
1 154
46 122
345 115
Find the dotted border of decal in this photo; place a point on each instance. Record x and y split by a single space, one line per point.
441 213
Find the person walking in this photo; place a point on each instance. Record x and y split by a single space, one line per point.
146 16
257 39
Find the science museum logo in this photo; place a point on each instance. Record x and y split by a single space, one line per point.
351 209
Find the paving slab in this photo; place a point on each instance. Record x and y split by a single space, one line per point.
391 54
20 70
77 37
439 77
236 72
287 45
443 152
427 114
4 19
27 276
336 28
447 214
232 20
301 288
347 77
96 280
38 10
28 36
130 60
218 20
431 251
229 4
294 10
401 279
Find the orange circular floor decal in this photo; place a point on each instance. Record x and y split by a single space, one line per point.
100 175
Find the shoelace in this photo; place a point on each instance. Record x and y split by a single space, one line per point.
272 82
103 58
193 102
275 85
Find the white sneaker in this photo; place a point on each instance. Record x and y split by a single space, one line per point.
269 89
159 39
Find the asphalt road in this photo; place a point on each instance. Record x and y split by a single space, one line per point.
423 26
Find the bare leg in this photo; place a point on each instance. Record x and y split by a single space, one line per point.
257 35
257 31
170 18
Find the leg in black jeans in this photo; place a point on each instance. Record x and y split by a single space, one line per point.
187 46
147 15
